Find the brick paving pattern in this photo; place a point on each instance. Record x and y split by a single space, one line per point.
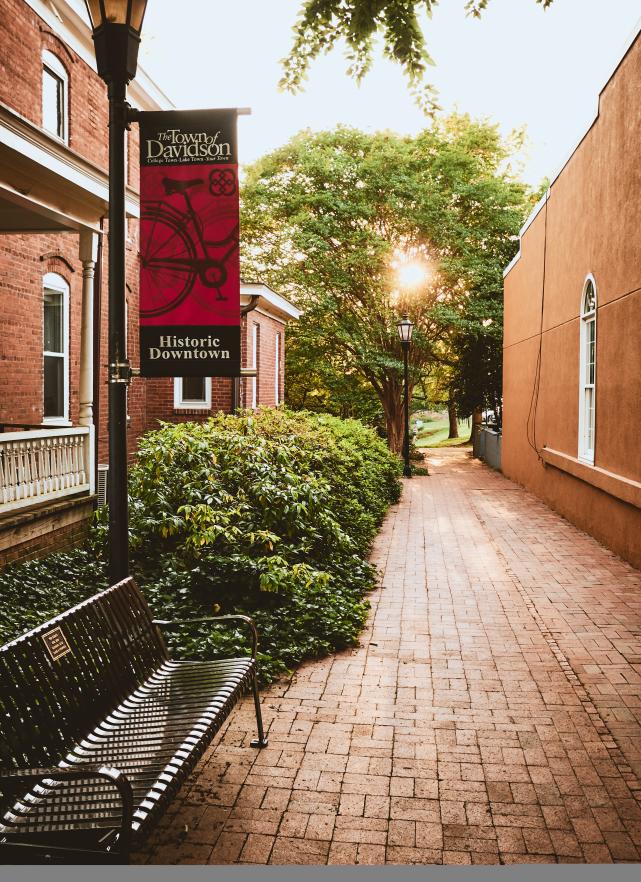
492 713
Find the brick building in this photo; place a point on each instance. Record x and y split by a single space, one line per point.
53 283
572 360
264 315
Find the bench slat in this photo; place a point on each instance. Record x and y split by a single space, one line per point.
156 766
95 687
49 704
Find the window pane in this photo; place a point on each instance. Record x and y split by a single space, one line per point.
137 14
589 303
589 420
194 389
53 341
591 351
52 103
54 386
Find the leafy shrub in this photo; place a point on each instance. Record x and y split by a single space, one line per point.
34 591
269 513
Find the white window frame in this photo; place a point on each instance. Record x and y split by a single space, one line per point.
277 369
254 386
53 65
55 282
181 403
587 390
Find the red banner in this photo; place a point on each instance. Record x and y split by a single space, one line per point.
189 264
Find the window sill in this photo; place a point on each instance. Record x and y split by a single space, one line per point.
621 488
55 423
56 137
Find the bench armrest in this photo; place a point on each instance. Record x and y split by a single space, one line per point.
178 623
15 777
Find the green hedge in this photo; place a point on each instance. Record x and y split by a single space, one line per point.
269 513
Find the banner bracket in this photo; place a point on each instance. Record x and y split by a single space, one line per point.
122 372
132 114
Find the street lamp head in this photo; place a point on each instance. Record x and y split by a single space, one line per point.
129 12
116 28
405 328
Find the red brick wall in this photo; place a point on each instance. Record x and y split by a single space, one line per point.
160 402
160 392
268 329
25 259
23 37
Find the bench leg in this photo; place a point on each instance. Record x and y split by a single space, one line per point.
261 741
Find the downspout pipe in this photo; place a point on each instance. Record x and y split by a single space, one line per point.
244 310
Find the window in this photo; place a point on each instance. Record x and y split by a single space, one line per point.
192 393
277 371
587 402
55 89
255 347
56 349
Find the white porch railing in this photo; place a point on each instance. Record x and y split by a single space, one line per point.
44 465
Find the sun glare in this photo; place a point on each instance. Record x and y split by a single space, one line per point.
411 274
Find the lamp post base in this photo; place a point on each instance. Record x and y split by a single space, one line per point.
407 471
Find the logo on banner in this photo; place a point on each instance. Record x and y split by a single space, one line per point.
178 146
189 264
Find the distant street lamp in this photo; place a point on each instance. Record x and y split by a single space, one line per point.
116 28
405 328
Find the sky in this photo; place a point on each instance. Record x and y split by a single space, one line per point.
518 66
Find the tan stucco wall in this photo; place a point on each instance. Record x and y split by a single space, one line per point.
591 223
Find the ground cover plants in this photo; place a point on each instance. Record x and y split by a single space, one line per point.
271 514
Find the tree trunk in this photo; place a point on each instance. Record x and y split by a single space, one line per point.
477 416
392 402
451 412
394 423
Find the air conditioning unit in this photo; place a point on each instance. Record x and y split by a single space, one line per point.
103 476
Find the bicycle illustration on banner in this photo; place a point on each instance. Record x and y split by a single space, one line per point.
181 246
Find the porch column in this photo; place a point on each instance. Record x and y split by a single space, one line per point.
88 256
88 253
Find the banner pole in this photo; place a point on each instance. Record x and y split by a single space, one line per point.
119 374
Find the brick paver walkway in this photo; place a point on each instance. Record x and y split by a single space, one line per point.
491 715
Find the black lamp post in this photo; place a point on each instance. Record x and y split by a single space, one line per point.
116 28
405 328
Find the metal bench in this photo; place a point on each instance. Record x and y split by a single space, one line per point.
99 727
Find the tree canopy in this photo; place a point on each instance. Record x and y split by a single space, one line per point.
329 217
322 23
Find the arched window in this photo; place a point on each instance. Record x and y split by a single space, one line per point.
587 385
56 349
55 96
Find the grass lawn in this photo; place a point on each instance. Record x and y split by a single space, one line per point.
434 433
